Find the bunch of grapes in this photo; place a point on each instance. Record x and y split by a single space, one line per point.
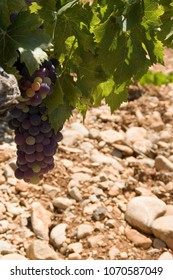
36 140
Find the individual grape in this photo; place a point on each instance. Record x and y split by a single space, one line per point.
21 159
29 149
46 141
36 100
26 124
41 73
19 139
24 84
36 168
39 147
12 124
38 79
47 81
16 112
33 110
48 159
51 166
42 164
19 174
23 167
44 117
45 127
48 150
28 174
58 136
39 156
23 116
44 88
35 179
30 92
35 86
49 134
34 130
39 138
30 140
30 158
35 120
25 109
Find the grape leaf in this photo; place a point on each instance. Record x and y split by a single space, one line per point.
58 116
56 98
25 34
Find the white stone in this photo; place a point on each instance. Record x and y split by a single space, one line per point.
162 228
84 230
40 220
142 211
13 257
62 202
135 133
111 136
166 256
58 235
39 250
163 164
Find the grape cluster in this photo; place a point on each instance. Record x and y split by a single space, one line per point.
36 140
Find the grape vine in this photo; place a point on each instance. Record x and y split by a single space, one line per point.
99 47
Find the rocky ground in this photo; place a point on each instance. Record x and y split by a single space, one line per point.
110 195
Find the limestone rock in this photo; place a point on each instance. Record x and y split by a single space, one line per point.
13 257
84 230
38 250
62 202
163 228
138 239
163 164
142 211
40 220
58 235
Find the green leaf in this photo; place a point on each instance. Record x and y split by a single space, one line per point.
56 98
23 34
58 116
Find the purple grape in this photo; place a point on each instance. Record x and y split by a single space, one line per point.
16 112
39 156
33 110
45 127
35 120
15 123
30 158
48 150
39 138
26 124
29 149
48 159
34 130
19 139
19 174
39 147
23 167
46 141
23 116
44 88
28 174
21 159
58 136
42 164
36 100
